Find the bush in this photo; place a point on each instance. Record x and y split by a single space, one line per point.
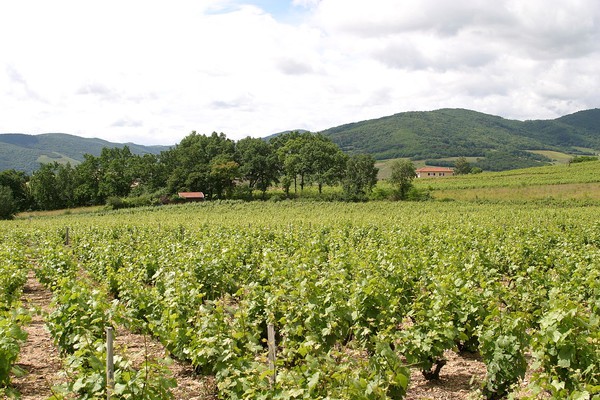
415 194
242 192
116 203
141 201
276 198
580 159
381 191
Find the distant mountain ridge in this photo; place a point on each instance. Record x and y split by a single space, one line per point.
25 152
439 135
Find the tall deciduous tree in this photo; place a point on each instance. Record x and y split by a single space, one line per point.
403 173
259 164
324 162
361 176
188 165
115 172
312 158
289 150
87 181
44 187
223 171
146 174
65 185
462 166
17 182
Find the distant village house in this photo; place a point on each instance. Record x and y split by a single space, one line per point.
430 172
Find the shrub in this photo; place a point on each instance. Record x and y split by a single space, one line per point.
580 159
116 203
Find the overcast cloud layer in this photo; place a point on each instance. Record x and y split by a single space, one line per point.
152 71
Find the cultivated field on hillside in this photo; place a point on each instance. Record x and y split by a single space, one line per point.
566 182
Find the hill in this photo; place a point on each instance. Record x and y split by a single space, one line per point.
563 183
499 142
26 152
436 137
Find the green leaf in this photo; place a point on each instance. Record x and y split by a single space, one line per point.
120 388
314 380
564 356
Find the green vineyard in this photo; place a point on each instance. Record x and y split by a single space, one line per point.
359 295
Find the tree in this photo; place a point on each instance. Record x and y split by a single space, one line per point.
462 166
8 206
87 182
188 165
44 187
223 171
65 185
53 186
323 161
146 174
361 176
259 164
311 158
289 149
17 182
403 173
115 172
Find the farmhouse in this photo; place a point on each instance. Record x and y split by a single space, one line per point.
430 172
191 196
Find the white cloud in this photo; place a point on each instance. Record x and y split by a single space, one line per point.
153 72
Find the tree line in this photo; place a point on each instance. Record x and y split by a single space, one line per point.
213 164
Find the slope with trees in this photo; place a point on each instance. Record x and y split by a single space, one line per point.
458 132
25 152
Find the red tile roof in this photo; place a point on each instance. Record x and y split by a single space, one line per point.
191 195
435 169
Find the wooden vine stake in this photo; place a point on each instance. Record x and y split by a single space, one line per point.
110 366
272 351
67 241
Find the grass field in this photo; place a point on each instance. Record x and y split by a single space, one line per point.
556 156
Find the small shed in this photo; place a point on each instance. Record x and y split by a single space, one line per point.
191 196
430 172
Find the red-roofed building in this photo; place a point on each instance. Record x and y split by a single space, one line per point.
191 196
430 172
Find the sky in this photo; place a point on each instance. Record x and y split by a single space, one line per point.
150 72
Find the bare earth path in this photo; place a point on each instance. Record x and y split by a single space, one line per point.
189 385
38 357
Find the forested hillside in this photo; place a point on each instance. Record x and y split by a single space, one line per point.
457 132
26 152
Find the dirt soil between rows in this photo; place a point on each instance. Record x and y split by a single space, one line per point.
39 358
